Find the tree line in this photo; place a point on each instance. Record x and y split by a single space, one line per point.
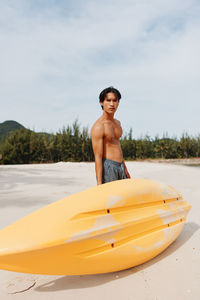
74 144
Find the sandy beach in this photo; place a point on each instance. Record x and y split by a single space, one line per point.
172 275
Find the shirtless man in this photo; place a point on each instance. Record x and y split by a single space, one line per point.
105 133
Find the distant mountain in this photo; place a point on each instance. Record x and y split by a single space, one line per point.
7 127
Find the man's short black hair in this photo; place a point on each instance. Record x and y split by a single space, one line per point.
110 89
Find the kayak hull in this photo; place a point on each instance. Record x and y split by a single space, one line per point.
106 228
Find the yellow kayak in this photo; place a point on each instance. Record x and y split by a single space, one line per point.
106 228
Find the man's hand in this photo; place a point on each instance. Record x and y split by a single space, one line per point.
127 174
126 171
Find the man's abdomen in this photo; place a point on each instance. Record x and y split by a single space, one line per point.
113 152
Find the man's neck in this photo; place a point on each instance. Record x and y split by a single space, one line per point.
107 116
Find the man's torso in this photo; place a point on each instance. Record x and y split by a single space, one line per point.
111 144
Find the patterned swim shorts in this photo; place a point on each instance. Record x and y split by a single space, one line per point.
112 170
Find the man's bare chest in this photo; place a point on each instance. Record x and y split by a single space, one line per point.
112 132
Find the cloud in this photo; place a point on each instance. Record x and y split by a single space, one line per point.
56 58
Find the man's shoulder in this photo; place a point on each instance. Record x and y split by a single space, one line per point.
98 127
117 121
98 124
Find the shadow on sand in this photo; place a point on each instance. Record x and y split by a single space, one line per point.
85 281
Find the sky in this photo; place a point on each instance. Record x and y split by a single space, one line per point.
57 56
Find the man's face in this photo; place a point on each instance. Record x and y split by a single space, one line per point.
110 103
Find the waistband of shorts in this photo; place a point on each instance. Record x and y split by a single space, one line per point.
117 163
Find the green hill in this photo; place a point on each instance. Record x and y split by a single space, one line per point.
8 127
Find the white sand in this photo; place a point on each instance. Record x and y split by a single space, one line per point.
173 275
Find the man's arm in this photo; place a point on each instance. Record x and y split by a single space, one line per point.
126 170
97 144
